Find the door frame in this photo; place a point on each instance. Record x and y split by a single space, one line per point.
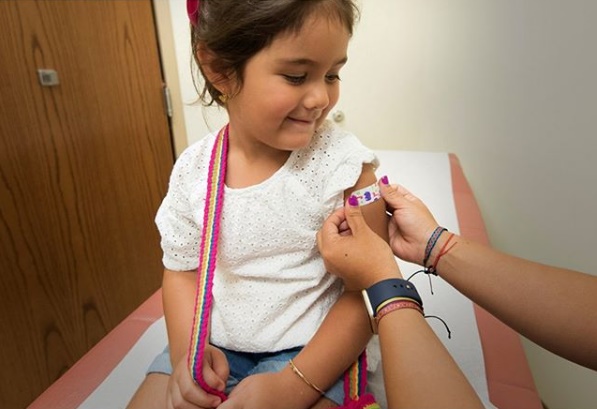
167 45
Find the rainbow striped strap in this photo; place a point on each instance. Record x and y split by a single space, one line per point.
214 202
355 380
355 384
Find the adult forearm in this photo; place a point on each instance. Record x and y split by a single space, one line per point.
418 370
556 308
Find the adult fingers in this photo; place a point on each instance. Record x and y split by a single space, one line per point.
392 196
334 220
354 216
331 227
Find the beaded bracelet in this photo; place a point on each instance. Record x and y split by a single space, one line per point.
303 377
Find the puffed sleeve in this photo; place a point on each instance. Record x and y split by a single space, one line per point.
346 160
177 218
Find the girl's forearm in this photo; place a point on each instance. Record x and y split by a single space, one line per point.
178 293
341 338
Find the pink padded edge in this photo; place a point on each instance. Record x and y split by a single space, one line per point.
509 378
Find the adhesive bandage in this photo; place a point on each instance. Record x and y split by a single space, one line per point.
367 194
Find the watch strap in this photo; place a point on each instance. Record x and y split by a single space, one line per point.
385 290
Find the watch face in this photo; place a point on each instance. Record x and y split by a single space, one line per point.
370 312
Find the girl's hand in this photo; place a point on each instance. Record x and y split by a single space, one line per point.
257 392
271 390
184 393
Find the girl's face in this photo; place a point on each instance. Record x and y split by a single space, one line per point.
290 86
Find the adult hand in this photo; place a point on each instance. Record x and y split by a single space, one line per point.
411 223
184 393
357 254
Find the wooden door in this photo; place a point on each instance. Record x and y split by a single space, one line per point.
83 168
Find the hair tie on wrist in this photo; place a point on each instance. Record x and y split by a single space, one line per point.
193 11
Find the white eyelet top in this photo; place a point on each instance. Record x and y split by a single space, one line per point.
271 290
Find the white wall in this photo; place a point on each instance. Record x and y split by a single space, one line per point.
507 85
199 121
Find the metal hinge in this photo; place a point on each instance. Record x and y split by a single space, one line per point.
167 101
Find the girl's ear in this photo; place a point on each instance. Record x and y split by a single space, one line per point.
223 82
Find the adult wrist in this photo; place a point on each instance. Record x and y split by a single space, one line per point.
431 244
386 292
444 244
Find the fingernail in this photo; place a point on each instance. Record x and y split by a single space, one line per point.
384 180
353 201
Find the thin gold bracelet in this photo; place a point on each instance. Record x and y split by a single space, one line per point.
300 375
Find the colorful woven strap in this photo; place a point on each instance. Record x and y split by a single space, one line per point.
355 384
214 202
355 380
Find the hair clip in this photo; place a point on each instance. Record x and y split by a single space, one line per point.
193 11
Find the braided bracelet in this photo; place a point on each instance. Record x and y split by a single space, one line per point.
397 305
432 242
444 250
393 300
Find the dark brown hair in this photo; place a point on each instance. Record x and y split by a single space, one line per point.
233 31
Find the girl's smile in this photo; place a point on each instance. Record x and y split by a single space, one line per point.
289 88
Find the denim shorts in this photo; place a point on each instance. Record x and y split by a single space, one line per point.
243 364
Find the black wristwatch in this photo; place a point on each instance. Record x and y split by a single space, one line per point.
385 290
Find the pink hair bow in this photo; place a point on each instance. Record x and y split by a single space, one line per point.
193 11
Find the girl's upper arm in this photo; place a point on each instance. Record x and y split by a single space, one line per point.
374 213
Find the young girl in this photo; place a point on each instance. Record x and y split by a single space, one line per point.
274 66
